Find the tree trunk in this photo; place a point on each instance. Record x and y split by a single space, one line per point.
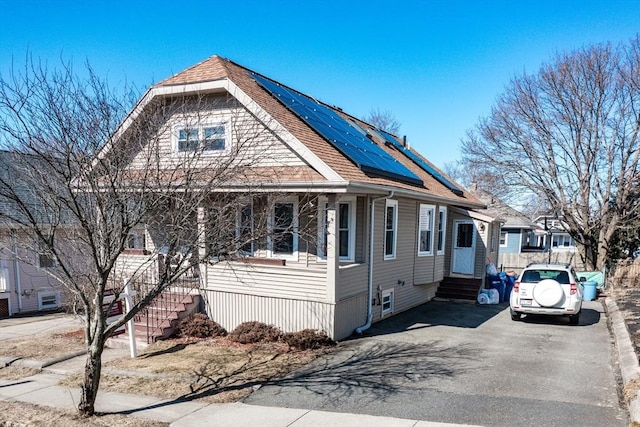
604 237
92 371
589 255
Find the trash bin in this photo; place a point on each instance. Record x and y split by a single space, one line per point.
495 282
510 282
589 291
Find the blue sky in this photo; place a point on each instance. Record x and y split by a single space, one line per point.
437 66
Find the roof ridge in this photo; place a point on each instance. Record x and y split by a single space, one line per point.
221 60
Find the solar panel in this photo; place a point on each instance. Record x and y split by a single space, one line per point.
421 163
352 143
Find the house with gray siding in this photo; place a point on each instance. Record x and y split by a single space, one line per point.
523 241
25 284
387 232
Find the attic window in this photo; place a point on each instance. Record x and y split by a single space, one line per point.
206 137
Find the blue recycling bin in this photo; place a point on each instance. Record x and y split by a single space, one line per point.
496 282
510 282
589 293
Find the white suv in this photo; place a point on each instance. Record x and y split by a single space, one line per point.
547 289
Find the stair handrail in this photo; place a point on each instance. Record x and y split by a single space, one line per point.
167 302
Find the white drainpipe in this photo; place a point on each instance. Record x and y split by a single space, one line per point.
16 269
361 329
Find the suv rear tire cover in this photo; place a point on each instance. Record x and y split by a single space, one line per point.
548 293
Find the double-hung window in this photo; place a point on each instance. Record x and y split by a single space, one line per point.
211 137
346 218
425 230
230 231
284 229
44 258
222 232
214 138
188 139
503 239
135 239
390 228
244 229
4 275
442 227
562 241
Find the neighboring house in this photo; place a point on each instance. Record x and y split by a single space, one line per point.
25 285
517 234
522 240
390 226
553 234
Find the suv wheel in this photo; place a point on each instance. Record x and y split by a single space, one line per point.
574 319
515 315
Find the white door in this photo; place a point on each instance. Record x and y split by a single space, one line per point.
464 245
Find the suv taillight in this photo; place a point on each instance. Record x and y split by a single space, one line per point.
574 289
516 287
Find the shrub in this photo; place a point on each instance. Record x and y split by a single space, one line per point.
199 326
255 332
307 339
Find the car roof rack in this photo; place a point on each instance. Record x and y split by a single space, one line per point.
549 264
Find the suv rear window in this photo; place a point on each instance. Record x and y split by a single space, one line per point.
534 276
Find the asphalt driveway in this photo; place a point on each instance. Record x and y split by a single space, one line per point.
468 364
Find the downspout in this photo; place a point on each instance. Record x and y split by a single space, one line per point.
360 329
16 269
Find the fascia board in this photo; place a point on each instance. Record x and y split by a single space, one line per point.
475 215
225 84
384 189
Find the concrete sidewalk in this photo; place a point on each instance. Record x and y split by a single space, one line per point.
43 389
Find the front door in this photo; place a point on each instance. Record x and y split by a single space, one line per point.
464 246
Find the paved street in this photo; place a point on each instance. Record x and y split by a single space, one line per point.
468 364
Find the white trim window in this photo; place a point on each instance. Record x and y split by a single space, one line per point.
387 301
45 259
135 239
208 137
283 239
562 241
230 231
214 236
244 229
442 229
390 228
504 239
346 217
425 230
4 275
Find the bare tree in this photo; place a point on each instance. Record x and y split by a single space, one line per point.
82 177
384 120
570 135
479 178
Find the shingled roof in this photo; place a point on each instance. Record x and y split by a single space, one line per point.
499 209
218 68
